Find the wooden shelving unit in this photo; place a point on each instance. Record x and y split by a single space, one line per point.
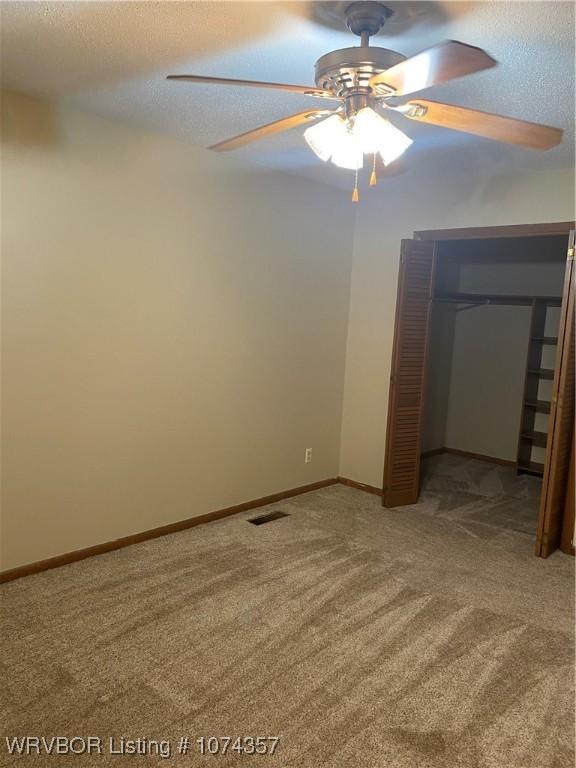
542 373
540 406
532 404
533 468
535 437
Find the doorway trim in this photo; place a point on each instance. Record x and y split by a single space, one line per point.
507 230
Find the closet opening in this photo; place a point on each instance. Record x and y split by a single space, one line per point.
481 403
493 336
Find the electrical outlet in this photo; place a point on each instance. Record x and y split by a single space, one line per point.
308 456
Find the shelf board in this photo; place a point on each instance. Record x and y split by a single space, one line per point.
494 298
531 468
543 373
553 340
536 438
541 406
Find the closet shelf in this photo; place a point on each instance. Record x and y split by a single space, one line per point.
543 373
536 438
541 406
532 468
494 298
553 340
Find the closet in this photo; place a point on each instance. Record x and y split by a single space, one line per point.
493 335
483 372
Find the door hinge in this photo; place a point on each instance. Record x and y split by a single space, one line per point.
570 254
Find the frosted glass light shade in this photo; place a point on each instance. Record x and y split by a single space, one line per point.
394 143
348 154
375 134
332 139
368 130
324 137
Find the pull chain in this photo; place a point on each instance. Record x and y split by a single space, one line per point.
355 195
373 174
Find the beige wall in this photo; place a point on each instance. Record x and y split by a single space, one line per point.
174 331
487 380
422 199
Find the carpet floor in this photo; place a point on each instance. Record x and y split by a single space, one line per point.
488 500
422 637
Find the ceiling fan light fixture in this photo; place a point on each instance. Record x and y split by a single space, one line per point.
346 141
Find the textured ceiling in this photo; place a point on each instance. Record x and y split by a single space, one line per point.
112 59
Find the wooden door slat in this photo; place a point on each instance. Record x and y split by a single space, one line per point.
405 406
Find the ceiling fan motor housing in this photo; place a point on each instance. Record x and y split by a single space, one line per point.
347 72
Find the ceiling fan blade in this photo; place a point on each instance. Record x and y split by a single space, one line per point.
433 66
484 124
306 90
300 118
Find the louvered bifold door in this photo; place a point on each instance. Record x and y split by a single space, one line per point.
406 398
560 425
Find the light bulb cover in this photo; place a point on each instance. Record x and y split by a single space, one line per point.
348 154
324 137
368 128
376 134
394 144
332 139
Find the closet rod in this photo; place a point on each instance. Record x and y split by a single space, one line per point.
483 300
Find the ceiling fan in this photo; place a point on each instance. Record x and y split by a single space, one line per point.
365 80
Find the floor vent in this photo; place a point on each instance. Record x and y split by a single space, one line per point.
268 518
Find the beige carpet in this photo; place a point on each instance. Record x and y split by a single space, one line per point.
488 500
360 636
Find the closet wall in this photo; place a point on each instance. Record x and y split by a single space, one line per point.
477 356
